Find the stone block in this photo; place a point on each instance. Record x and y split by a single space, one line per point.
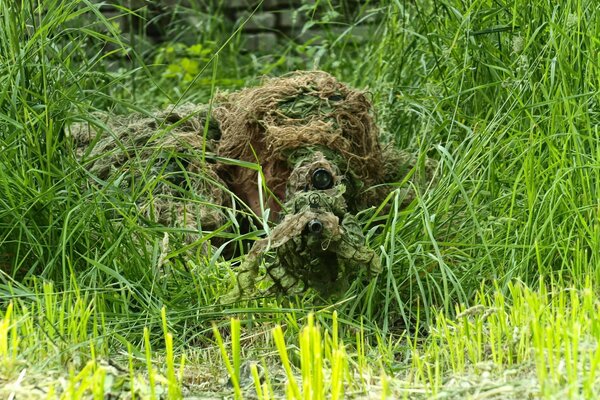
259 21
315 36
266 4
285 4
260 42
289 19
357 34
251 4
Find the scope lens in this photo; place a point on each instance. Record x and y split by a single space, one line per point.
322 179
315 226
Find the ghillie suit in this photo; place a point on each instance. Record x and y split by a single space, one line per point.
156 161
318 148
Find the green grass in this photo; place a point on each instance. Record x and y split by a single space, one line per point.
489 278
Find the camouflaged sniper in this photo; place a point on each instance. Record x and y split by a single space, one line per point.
319 151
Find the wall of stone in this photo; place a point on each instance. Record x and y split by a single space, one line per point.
274 20
265 25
